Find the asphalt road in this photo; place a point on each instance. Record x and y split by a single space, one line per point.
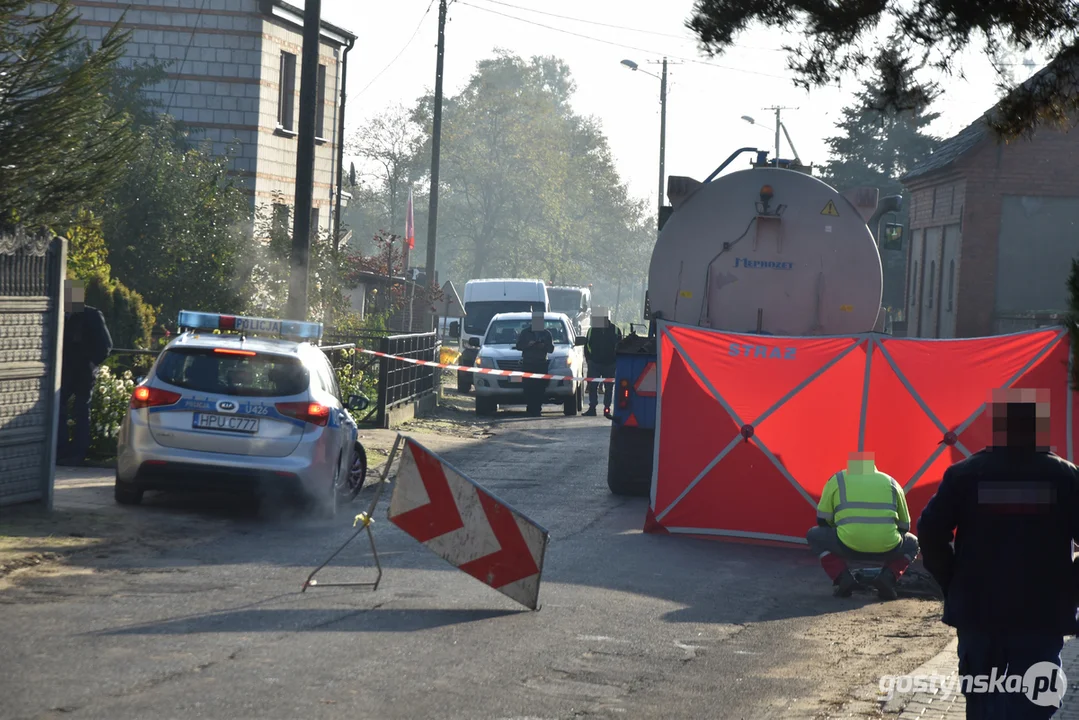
207 621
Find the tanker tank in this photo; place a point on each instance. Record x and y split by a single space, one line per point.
767 250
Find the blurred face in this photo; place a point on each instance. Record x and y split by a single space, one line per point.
859 463
74 296
1020 417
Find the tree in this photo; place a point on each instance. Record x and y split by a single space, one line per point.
64 142
878 144
389 143
528 188
940 29
178 228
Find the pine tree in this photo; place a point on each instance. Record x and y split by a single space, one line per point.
882 138
64 142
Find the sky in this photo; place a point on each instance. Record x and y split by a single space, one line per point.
395 53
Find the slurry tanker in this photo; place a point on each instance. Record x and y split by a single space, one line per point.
769 250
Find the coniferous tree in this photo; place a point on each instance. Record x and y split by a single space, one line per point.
64 141
880 141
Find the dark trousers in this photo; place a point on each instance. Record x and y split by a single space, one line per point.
596 369
76 447
534 389
1010 654
833 554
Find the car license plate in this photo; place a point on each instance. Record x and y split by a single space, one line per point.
230 423
516 378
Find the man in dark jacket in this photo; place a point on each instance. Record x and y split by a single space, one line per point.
1009 581
86 345
600 352
535 343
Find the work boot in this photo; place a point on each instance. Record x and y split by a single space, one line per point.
885 584
591 411
844 584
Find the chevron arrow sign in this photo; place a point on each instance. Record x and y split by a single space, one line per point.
468 527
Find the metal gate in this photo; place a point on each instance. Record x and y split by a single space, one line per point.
32 267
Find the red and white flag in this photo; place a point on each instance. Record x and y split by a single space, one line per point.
410 224
466 526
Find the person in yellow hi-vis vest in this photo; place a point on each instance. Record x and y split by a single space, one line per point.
862 515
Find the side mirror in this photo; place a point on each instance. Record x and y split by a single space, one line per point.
581 341
474 342
359 403
140 379
455 329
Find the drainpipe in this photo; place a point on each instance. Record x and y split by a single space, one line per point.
341 148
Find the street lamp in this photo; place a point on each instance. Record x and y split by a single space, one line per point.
782 127
662 125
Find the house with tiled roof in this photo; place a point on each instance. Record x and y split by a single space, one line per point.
993 228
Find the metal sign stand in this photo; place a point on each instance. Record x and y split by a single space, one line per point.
364 519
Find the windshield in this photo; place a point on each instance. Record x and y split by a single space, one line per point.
479 314
505 332
256 375
565 301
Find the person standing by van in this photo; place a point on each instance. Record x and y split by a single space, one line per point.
600 351
535 343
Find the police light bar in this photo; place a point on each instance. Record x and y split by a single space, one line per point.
253 326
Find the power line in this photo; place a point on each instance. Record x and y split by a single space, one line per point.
589 22
620 45
402 52
615 27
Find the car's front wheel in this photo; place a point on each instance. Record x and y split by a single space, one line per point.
486 406
349 487
126 494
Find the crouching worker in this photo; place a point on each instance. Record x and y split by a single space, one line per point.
862 516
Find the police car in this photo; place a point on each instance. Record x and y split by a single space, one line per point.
254 408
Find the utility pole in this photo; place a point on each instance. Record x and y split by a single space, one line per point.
436 147
305 162
662 135
779 126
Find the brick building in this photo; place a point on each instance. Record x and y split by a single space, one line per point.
993 228
234 76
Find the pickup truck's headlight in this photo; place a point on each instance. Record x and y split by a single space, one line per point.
563 361
485 362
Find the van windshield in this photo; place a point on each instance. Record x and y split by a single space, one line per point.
255 375
565 300
478 314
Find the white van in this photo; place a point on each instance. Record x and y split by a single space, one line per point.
483 300
575 303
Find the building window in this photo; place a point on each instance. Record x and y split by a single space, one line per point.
932 281
320 108
286 98
914 285
314 222
280 219
951 284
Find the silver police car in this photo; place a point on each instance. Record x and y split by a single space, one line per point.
241 411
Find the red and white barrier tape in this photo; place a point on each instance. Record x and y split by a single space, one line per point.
484 371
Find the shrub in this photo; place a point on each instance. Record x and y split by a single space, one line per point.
129 318
109 401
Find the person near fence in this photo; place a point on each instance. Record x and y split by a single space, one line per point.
535 343
87 343
600 352
1009 582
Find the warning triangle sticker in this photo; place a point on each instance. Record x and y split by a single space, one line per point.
646 383
829 209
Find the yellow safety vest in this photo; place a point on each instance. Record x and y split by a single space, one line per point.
868 511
